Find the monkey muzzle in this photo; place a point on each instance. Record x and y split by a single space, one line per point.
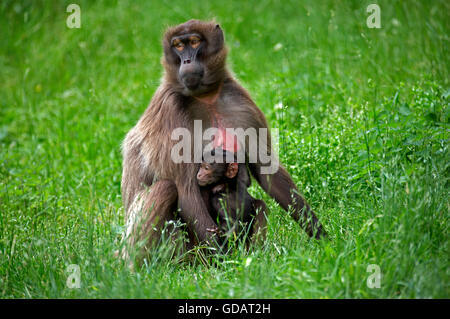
203 179
191 70
191 75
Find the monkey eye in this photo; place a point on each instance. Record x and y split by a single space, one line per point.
194 42
178 44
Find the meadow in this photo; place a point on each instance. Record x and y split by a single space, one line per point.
363 115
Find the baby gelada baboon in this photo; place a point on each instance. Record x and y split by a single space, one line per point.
224 186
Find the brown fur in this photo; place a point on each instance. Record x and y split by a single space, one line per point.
147 147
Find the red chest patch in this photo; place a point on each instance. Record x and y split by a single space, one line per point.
227 141
222 138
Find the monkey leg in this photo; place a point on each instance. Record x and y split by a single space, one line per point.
147 217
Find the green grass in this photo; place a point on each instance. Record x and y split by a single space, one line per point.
364 133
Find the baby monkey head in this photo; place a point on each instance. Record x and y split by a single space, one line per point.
213 172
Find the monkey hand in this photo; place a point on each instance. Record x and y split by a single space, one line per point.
214 230
216 239
218 188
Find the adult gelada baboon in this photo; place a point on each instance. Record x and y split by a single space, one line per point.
196 86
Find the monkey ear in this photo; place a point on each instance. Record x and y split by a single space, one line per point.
232 170
215 39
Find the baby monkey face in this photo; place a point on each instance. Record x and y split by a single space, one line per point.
210 173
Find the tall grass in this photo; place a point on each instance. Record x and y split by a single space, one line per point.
364 121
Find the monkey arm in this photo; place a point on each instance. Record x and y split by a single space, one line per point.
194 212
281 187
241 201
278 185
133 179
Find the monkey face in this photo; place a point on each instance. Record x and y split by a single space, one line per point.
187 47
207 174
210 173
194 57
